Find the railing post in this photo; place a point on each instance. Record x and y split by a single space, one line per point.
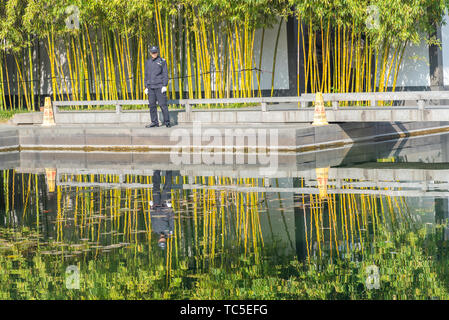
335 104
266 182
118 108
424 186
421 105
373 102
264 106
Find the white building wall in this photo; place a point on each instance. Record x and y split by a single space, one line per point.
281 72
445 50
415 68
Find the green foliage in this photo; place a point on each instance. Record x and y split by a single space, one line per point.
8 114
22 17
399 20
12 31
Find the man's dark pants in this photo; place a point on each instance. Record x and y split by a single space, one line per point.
155 94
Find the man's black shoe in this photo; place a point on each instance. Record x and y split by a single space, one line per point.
168 125
151 125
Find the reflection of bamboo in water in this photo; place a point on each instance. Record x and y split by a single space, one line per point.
305 220
100 215
27 196
6 189
215 220
356 214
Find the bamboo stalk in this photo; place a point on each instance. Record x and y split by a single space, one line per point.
275 54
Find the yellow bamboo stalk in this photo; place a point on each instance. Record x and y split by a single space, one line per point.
172 64
72 77
390 67
239 76
205 59
343 64
7 83
30 55
19 72
128 60
158 25
218 75
121 71
234 67
198 61
338 50
3 98
189 65
349 67
85 84
384 66
304 56
323 57
50 51
398 65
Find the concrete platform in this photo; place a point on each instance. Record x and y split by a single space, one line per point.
194 138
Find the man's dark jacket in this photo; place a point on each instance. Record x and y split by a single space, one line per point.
156 73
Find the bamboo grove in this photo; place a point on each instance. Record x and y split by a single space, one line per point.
359 46
97 49
218 249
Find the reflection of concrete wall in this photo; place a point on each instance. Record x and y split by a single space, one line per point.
422 210
278 225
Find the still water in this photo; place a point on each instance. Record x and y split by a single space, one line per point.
367 223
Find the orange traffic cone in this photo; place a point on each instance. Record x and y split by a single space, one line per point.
321 178
319 116
48 113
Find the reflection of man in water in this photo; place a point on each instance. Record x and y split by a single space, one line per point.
162 215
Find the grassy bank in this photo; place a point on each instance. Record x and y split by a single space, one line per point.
5 115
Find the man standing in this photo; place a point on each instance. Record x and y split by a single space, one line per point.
156 81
